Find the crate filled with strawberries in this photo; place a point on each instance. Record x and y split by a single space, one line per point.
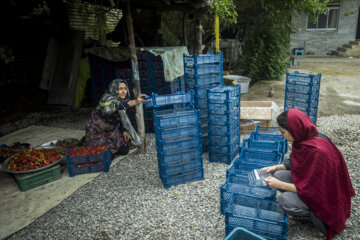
88 159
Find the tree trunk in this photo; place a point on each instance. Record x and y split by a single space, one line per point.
184 28
135 79
198 44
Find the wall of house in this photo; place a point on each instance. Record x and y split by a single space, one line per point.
321 42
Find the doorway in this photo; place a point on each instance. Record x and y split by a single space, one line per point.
358 27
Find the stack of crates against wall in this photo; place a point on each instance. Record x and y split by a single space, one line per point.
260 216
103 72
223 104
203 71
178 138
302 92
151 74
89 163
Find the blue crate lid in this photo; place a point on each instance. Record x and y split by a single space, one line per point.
157 101
240 233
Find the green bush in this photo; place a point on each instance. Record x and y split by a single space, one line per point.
266 51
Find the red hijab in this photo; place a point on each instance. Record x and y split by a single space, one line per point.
319 173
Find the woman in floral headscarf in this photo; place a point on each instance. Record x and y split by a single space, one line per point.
315 183
105 125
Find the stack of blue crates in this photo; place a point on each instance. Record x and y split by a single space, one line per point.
201 72
178 138
223 103
302 92
265 147
260 216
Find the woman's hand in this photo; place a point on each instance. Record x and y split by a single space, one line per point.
273 168
126 136
273 182
140 99
276 183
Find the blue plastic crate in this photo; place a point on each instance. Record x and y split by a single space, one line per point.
142 65
263 217
180 157
193 175
304 78
208 80
222 119
204 131
219 108
223 94
240 233
302 97
292 103
91 158
301 88
267 137
176 134
257 159
205 141
191 60
200 92
174 170
224 158
225 128
263 146
202 69
204 121
242 171
225 149
203 112
200 103
239 185
158 65
225 138
312 113
177 146
171 118
266 130
89 163
157 101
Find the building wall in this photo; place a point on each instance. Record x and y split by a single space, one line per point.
321 42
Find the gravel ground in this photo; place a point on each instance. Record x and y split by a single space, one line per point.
130 202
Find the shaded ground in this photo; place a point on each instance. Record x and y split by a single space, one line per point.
339 89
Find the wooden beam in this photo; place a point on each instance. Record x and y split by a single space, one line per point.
198 36
135 79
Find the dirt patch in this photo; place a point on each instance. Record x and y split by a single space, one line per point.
339 89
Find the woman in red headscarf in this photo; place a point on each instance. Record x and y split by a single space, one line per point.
315 184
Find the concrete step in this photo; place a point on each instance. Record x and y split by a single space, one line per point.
341 49
356 42
348 45
334 52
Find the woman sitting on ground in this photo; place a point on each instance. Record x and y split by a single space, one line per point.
315 184
105 125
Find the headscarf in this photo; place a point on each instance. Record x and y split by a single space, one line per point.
110 102
319 173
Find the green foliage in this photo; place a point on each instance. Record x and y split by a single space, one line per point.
225 10
266 49
171 35
351 12
267 26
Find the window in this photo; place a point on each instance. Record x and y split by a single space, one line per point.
326 21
